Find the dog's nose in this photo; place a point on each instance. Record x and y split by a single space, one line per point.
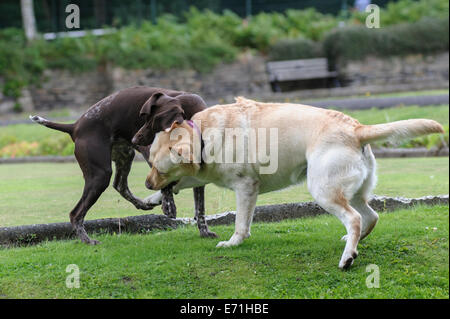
148 185
135 140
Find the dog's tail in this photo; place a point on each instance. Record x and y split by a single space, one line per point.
67 128
398 130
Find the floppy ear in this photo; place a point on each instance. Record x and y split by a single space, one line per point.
166 118
172 127
146 108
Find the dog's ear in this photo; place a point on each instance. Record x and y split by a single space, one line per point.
172 127
166 117
147 107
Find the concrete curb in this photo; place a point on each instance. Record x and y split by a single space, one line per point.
275 213
31 234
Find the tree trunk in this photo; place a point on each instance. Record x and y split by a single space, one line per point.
28 19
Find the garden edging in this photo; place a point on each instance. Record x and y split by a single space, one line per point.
31 234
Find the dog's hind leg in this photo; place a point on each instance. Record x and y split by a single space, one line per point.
335 203
369 217
94 159
361 199
123 155
199 203
333 183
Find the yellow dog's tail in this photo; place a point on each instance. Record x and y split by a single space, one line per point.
397 130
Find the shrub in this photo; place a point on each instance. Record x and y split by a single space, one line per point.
19 149
7 139
291 49
61 145
205 38
356 42
407 11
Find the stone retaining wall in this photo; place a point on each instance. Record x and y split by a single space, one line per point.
397 70
246 76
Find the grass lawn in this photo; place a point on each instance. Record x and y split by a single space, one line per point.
290 259
44 193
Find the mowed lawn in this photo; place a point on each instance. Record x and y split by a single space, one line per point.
290 259
44 193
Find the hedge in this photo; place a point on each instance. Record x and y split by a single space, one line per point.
202 39
355 42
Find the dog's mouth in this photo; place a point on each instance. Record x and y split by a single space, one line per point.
140 140
157 182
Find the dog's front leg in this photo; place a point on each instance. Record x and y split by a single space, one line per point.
154 199
199 203
246 194
168 203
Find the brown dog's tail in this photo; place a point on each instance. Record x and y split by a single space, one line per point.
66 128
397 130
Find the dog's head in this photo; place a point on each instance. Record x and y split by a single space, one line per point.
173 155
159 111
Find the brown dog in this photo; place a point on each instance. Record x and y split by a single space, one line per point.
104 133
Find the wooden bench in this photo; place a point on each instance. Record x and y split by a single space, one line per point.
295 70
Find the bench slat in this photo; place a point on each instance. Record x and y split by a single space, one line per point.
296 63
299 70
289 75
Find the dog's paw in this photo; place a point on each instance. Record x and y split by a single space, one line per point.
91 242
145 206
347 260
208 234
344 238
154 199
234 241
94 242
224 244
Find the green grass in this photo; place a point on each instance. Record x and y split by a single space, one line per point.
290 259
43 193
374 116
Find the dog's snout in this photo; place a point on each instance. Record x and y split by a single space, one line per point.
135 140
148 185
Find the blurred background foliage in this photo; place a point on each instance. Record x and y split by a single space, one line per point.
200 39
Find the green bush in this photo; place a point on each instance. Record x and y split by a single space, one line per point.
205 38
61 145
407 11
291 49
19 65
6 139
357 42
